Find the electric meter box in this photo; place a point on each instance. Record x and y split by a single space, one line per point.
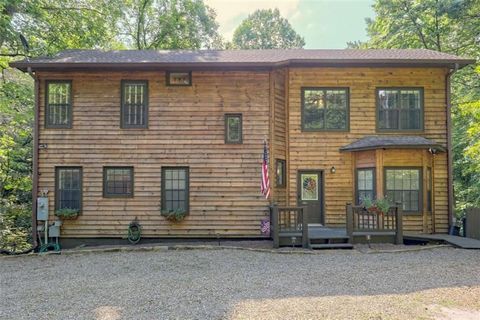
42 208
54 231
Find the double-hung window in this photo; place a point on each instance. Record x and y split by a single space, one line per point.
365 184
58 104
134 113
399 109
175 189
404 185
325 109
68 188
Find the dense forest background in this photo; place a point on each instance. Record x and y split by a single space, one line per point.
451 26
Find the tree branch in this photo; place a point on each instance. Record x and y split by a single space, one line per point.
73 9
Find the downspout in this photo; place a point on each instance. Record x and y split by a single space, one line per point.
449 145
35 157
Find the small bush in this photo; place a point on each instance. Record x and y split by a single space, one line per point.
15 227
174 215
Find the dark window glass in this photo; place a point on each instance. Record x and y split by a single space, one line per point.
403 185
429 189
68 188
233 128
280 172
134 104
324 109
365 184
400 109
117 181
58 111
179 78
175 189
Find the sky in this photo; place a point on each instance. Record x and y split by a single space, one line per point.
324 24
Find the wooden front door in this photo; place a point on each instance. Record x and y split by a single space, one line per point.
310 194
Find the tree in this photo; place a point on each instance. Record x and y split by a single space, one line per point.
266 29
169 24
49 26
448 26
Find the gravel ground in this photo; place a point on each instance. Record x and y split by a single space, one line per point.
442 283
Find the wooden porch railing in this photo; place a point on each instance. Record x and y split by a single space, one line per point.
361 222
288 222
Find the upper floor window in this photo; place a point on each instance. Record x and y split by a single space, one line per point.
179 78
58 105
399 109
233 128
365 184
134 104
118 182
404 185
68 188
325 109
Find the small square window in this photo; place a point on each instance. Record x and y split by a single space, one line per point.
280 172
179 78
117 182
233 128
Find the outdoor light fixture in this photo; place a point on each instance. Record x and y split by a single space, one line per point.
333 170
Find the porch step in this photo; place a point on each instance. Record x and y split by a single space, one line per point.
331 246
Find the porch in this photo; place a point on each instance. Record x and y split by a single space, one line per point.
290 227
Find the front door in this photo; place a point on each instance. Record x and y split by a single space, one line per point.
310 194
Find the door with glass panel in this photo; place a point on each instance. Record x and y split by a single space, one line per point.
310 194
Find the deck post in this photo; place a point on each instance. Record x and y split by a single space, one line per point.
349 222
304 228
274 226
399 224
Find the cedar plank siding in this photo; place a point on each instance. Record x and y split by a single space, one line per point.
185 128
279 140
319 150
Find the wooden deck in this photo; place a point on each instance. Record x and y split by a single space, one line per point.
460 242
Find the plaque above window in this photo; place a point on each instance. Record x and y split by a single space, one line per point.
179 78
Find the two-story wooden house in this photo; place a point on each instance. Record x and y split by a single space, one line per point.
121 135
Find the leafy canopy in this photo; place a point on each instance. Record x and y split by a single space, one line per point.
266 29
450 26
169 24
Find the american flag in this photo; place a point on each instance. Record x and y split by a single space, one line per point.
265 186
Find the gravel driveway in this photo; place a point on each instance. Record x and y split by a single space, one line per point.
442 283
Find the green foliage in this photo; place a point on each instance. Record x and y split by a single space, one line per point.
381 205
67 213
15 226
169 24
177 215
449 26
266 29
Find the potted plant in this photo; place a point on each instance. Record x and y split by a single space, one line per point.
67 213
176 215
378 206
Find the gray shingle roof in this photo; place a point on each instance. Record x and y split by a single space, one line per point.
243 57
377 142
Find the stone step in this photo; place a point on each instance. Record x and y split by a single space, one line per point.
332 246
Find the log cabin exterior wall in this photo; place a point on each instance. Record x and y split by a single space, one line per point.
186 128
279 136
320 150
